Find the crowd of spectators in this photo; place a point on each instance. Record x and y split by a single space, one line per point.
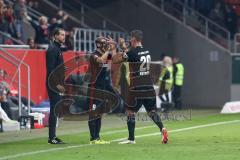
12 19
225 13
219 11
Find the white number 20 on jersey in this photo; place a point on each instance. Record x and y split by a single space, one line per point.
145 65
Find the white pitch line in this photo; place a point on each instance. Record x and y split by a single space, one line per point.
179 130
116 140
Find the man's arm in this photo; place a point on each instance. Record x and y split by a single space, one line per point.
102 59
50 60
51 69
32 22
120 56
123 45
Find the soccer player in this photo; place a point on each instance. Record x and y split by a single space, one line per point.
100 83
141 91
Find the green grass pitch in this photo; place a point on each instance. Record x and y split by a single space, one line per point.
201 138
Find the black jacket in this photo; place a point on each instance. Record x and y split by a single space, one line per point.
55 65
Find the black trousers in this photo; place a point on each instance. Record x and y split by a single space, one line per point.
54 98
176 95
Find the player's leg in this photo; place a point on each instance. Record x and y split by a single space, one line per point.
150 105
95 122
131 127
92 128
93 118
132 107
157 120
98 126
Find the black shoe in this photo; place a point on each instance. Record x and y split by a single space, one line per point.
55 141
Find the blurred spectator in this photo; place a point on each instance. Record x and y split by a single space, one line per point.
231 20
2 20
204 6
54 24
70 39
31 43
61 19
10 21
41 30
33 4
20 12
217 14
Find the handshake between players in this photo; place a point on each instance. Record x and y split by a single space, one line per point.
140 90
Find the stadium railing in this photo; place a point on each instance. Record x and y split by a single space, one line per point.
5 36
88 16
74 19
237 43
84 39
18 64
192 18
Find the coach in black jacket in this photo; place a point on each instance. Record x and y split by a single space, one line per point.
55 80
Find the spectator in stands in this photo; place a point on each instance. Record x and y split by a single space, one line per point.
10 21
41 30
20 12
217 14
2 20
54 24
231 20
33 4
31 43
204 6
70 39
2 4
61 18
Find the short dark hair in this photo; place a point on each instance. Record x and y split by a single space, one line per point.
138 34
56 31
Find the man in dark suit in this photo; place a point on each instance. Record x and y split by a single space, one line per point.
55 80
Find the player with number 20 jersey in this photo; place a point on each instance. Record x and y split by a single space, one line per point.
141 91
